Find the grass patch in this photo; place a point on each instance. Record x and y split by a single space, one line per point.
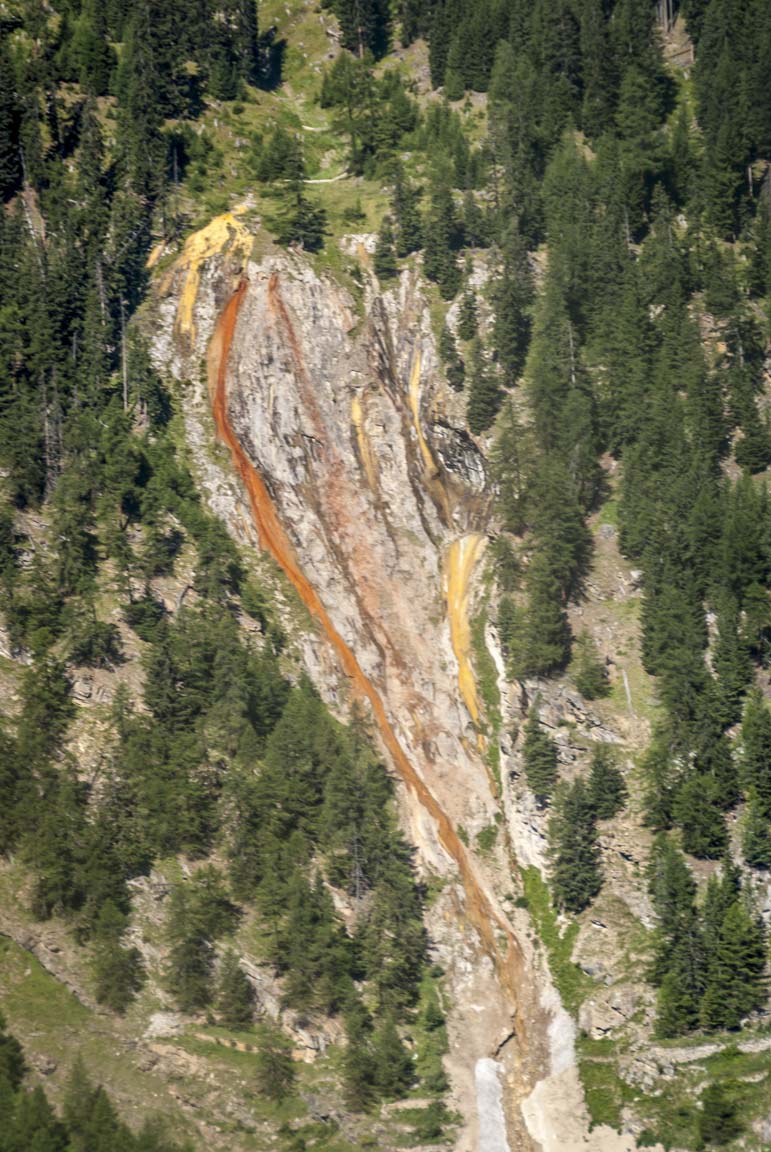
34 998
608 514
572 984
605 1091
671 1110
487 837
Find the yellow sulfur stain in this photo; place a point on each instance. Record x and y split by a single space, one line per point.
462 557
365 454
155 254
220 232
425 451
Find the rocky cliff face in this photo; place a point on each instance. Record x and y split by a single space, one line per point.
352 469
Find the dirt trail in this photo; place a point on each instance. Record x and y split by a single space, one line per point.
494 932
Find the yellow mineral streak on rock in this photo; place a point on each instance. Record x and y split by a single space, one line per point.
425 451
220 232
462 556
365 452
155 253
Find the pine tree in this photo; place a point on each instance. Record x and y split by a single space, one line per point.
576 874
539 753
301 222
696 810
394 1072
512 297
513 461
454 84
36 1126
682 985
735 980
718 1119
118 970
384 261
757 620
607 789
275 1070
731 663
540 643
756 834
10 118
359 1067
441 239
467 316
234 1000
484 395
755 750
409 228
12 1063
190 960
673 890
365 26
90 51
454 367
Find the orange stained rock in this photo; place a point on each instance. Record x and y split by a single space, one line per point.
365 453
220 232
462 557
495 934
425 451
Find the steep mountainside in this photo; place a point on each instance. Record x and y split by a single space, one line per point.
385 575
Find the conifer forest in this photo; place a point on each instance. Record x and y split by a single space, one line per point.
385 575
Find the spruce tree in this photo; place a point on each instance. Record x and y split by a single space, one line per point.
682 986
735 984
484 395
234 999
467 316
409 228
696 810
731 663
576 874
512 298
540 642
719 1122
441 239
10 117
359 1065
756 834
190 960
275 1069
384 261
673 890
394 1072
539 753
755 750
607 789
454 367
118 970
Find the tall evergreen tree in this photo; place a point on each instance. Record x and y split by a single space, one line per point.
484 394
234 998
576 874
539 753
607 789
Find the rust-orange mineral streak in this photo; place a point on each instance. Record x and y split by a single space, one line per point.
273 538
